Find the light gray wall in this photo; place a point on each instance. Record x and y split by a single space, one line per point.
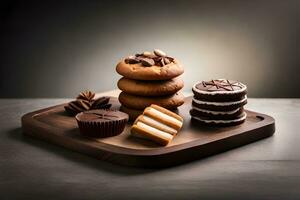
58 48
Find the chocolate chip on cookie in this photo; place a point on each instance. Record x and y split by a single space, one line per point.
147 62
167 61
159 53
149 54
132 60
147 59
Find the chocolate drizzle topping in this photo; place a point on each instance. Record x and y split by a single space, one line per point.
219 85
148 59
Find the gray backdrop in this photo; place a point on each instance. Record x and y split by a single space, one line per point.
58 48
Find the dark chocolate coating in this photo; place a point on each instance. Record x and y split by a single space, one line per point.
220 85
225 87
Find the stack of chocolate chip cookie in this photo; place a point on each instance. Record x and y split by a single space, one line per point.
149 78
219 102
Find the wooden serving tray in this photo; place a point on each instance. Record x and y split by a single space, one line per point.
193 142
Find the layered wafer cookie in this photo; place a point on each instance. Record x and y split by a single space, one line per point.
157 124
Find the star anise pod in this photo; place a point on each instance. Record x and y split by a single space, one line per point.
100 103
86 95
86 101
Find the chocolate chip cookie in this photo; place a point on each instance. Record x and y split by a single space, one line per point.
150 88
141 102
150 66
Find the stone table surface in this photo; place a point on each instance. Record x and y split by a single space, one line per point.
267 169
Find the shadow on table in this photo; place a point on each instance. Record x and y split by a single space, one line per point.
78 158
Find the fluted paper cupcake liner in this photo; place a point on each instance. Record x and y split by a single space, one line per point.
101 129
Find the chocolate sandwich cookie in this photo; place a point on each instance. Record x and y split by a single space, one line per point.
219 106
219 90
220 122
150 66
233 114
150 88
219 102
101 123
140 102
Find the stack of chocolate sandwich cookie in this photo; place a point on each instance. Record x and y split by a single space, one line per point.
219 102
149 78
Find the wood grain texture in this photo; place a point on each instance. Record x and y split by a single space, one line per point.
193 141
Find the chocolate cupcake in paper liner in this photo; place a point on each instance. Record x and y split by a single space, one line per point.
101 123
